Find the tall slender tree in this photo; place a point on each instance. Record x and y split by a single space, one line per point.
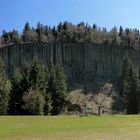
27 33
15 94
59 90
128 86
132 95
5 87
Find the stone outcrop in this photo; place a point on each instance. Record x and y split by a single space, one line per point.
81 62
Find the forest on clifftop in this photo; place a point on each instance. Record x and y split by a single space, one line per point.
67 32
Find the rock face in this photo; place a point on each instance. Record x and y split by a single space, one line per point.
81 62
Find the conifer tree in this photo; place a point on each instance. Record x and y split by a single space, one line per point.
48 91
128 86
138 91
124 75
48 104
24 87
15 94
5 87
27 33
132 95
37 77
59 91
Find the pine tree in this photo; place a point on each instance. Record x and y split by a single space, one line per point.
50 89
128 86
138 92
60 91
27 33
47 94
120 31
38 30
124 75
24 87
56 90
37 76
33 74
15 94
48 104
5 87
132 96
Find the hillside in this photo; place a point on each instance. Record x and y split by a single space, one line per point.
89 68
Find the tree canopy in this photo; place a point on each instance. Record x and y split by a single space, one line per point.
71 33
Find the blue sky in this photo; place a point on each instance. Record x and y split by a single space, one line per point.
105 13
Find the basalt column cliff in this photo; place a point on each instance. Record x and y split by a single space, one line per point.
81 61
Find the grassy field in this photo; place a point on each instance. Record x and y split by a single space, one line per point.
70 128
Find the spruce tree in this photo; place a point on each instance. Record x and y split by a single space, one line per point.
132 95
5 87
37 76
138 90
124 78
50 89
26 33
48 104
47 94
59 91
15 94
24 87
20 85
128 86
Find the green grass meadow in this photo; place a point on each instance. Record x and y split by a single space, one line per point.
69 128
